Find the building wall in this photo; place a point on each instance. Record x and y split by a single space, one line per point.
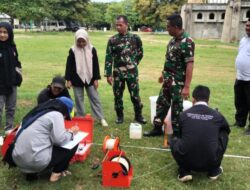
204 20
207 30
217 1
216 20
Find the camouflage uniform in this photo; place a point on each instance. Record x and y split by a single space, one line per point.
125 53
180 51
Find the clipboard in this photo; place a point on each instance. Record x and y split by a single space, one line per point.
77 139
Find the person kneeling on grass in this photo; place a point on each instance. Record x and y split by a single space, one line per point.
203 140
37 146
54 90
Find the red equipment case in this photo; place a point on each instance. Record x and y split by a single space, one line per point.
85 124
112 172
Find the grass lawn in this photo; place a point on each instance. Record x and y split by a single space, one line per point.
44 54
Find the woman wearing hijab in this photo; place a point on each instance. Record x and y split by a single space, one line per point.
10 75
82 71
37 145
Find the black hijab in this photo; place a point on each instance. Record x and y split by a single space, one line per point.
43 108
9 57
10 40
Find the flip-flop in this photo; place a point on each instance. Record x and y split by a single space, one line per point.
66 172
55 177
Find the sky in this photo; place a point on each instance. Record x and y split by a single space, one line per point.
105 1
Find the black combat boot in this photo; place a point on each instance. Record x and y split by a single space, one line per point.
156 131
138 116
140 119
120 117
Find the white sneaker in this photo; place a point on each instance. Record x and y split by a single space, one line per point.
185 178
216 174
104 123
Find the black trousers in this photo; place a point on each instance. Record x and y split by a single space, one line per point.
187 162
242 102
61 158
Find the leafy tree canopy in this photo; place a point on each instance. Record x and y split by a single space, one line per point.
154 12
39 9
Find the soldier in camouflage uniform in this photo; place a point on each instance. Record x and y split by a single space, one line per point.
176 76
124 53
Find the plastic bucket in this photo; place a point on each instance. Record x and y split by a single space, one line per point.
135 131
153 100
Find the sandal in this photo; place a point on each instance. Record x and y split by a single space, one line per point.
66 172
55 177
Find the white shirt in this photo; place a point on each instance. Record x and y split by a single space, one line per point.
201 103
242 62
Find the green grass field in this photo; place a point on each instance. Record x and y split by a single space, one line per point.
44 54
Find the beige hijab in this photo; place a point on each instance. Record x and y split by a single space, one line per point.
83 57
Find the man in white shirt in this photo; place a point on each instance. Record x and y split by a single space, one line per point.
242 82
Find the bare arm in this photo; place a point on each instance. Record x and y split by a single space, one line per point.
189 74
110 80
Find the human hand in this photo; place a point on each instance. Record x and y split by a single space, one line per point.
110 80
74 129
185 92
68 84
96 84
160 79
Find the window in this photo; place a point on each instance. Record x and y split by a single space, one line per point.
53 23
199 16
61 24
248 14
211 16
222 16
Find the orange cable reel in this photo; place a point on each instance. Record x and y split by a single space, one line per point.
111 144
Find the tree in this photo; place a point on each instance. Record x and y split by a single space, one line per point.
64 9
154 12
96 15
131 13
39 9
113 10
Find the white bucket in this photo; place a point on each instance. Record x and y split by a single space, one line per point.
153 100
135 131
